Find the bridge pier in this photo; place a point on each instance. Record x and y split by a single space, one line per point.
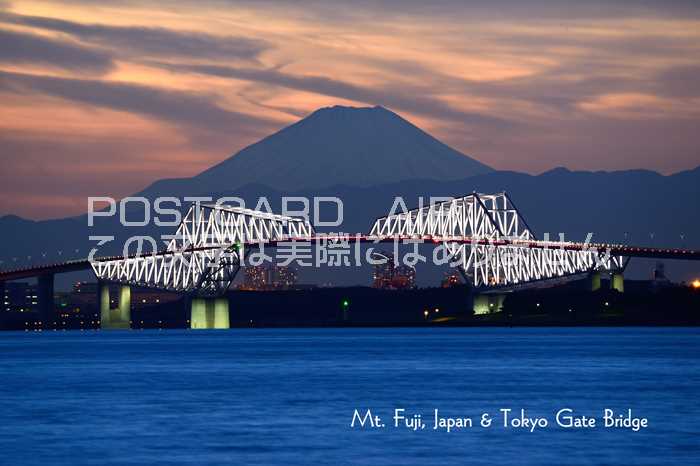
209 313
617 282
480 304
45 290
118 317
488 303
595 281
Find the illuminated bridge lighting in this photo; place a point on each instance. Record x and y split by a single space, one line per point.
484 233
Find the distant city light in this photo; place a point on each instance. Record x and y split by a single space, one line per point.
269 277
387 275
696 284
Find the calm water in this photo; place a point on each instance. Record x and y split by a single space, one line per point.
287 396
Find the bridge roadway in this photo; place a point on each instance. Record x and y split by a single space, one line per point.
613 249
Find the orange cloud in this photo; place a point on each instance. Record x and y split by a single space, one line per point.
174 88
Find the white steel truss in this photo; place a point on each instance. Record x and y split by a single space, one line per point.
205 253
491 241
484 234
221 225
475 215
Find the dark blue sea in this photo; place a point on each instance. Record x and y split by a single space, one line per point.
287 396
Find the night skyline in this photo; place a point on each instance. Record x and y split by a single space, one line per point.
104 100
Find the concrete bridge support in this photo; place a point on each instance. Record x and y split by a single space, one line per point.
617 282
595 281
209 313
47 310
488 303
118 317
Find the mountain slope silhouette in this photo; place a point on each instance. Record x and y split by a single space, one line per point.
353 146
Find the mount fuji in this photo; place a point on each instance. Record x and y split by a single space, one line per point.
350 146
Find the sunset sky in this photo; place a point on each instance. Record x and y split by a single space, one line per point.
102 98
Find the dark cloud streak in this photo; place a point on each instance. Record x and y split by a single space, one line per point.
145 42
680 81
24 48
367 10
180 107
413 100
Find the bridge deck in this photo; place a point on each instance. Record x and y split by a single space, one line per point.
613 249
